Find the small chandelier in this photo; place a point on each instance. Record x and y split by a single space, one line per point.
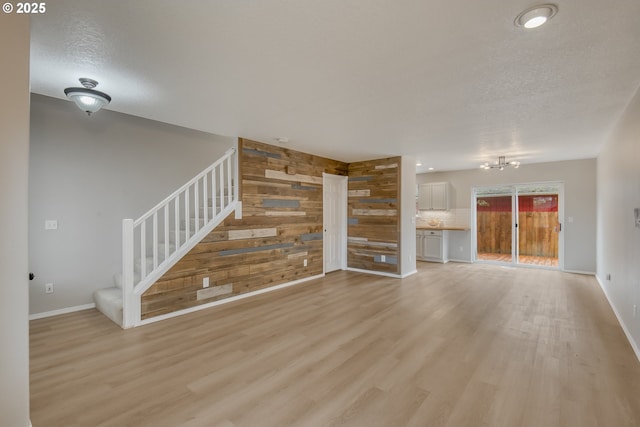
500 164
87 98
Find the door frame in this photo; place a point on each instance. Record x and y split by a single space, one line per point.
342 205
515 253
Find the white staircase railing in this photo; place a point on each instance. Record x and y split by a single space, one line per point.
153 243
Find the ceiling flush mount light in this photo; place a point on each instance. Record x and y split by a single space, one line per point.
536 16
87 98
500 164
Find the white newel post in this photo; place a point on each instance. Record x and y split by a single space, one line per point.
128 295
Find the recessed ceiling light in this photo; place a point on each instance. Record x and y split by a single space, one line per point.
431 169
536 16
419 164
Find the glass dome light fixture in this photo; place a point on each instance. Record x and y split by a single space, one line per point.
87 98
501 164
536 16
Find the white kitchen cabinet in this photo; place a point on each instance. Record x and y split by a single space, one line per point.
424 197
432 249
433 196
440 196
432 245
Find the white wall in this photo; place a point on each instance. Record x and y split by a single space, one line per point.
14 163
407 218
618 175
579 177
89 173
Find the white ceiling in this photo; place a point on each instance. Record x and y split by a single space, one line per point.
453 83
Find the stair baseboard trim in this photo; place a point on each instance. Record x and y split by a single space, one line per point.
227 300
626 331
377 273
62 311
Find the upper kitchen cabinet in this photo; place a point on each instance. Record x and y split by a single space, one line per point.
433 196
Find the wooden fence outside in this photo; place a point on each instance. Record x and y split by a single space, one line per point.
538 233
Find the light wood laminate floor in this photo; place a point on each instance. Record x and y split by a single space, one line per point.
454 345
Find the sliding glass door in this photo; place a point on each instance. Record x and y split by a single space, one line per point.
538 225
494 220
519 224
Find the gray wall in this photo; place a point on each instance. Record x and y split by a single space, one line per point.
618 174
14 163
89 173
579 177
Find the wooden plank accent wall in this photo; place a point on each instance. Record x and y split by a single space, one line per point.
373 215
282 226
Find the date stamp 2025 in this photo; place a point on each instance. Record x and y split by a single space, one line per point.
22 8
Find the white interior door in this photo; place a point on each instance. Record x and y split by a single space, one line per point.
335 222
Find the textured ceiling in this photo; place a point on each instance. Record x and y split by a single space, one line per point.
453 83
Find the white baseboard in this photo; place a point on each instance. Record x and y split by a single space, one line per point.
377 273
411 273
634 346
227 300
61 311
588 273
464 261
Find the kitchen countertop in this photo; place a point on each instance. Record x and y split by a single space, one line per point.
429 227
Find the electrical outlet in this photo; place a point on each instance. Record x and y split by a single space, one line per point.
51 224
383 258
48 288
205 282
304 264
